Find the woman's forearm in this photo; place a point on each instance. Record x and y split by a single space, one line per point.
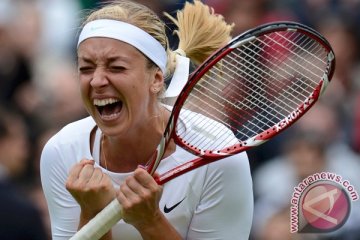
161 229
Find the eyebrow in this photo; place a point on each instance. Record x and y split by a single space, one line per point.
108 59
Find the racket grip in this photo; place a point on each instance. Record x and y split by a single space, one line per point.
101 223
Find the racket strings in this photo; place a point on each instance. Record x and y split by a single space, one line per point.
303 46
277 86
255 104
300 42
314 50
250 129
210 130
220 117
201 104
274 85
209 126
294 61
244 107
239 92
251 89
261 91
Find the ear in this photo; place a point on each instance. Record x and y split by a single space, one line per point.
157 81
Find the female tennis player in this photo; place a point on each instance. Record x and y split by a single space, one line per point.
123 61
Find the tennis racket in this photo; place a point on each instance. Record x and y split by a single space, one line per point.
246 93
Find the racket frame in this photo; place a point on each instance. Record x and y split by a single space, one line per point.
205 157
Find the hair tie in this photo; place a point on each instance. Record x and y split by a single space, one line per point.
179 78
180 52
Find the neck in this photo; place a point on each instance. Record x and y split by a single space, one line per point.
125 154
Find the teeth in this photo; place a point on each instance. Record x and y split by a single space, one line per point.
103 102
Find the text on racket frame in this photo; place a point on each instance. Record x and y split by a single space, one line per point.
294 115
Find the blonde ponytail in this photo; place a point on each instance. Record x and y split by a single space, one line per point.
200 31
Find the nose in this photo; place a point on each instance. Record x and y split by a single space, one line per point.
99 79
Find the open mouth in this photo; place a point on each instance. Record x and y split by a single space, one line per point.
108 108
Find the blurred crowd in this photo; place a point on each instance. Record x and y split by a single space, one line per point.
39 95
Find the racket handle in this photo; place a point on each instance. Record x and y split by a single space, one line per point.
101 223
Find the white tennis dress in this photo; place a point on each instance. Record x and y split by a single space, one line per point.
212 202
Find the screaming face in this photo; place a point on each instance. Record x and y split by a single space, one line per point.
116 83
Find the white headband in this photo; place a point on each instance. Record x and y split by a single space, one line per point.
128 33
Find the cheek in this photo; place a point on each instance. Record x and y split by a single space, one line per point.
137 87
138 102
136 97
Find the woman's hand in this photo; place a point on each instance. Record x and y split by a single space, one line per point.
90 187
139 196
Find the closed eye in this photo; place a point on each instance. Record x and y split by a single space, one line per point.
117 69
86 70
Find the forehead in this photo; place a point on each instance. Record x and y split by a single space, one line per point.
101 47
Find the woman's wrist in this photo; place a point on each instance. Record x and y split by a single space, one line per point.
160 228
